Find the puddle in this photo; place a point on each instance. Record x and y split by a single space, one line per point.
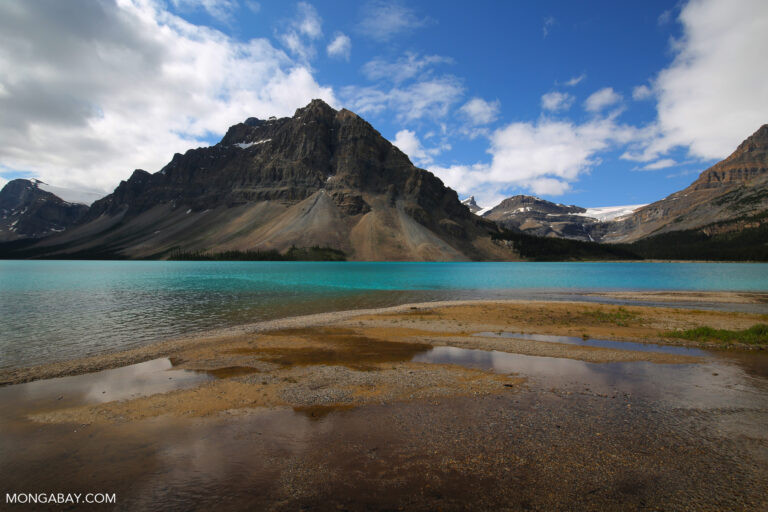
147 378
591 342
714 383
337 346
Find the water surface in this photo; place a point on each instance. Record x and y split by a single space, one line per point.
56 310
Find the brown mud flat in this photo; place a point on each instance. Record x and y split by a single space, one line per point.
625 323
349 412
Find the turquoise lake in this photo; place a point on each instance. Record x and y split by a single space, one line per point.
55 310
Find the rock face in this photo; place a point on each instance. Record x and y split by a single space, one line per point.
322 177
27 211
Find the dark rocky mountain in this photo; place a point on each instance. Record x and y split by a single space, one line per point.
28 211
320 178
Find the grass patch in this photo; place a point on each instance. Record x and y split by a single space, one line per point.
620 316
755 335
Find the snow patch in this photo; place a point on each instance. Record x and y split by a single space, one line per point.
608 213
484 211
245 145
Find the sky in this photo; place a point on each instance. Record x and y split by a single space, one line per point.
593 103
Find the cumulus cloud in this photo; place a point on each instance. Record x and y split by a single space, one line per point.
94 90
544 158
404 68
340 47
714 94
601 99
642 92
382 20
555 101
426 99
480 112
410 144
302 31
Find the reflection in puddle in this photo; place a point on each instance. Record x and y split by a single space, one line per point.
147 378
713 383
590 342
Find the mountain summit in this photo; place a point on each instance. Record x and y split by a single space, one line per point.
320 178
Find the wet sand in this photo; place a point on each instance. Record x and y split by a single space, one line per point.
419 407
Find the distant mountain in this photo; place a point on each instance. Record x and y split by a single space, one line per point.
535 216
28 211
322 178
471 204
728 202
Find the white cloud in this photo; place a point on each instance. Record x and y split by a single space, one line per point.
302 31
715 92
480 112
406 67
340 47
576 80
642 92
554 101
665 17
601 99
218 9
3 181
664 163
253 5
92 97
544 158
410 144
382 20
427 99
549 22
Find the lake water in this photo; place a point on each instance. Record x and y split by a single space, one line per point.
55 310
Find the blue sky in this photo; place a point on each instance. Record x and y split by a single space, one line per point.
590 103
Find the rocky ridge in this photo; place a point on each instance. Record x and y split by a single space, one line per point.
28 211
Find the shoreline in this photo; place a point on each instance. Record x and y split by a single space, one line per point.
168 348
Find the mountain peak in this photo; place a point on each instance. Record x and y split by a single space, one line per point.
315 108
748 161
471 204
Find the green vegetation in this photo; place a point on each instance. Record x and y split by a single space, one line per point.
314 253
755 335
620 316
538 248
